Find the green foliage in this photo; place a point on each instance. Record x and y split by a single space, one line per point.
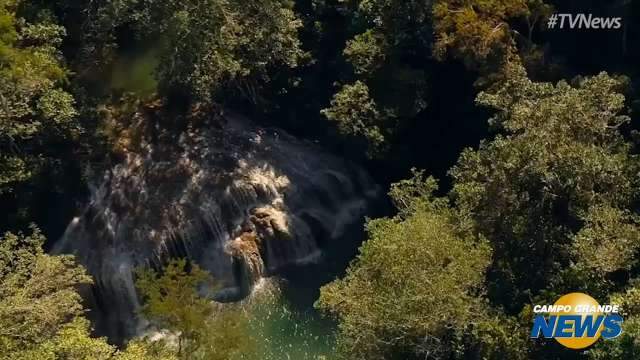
74 341
71 342
237 42
358 116
204 331
207 46
146 350
473 31
366 52
136 73
226 335
537 12
627 345
263 327
41 312
399 22
609 241
34 108
172 300
415 193
547 206
38 293
498 337
413 290
529 190
388 88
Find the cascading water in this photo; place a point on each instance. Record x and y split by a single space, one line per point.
239 200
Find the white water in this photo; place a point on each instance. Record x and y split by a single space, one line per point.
202 199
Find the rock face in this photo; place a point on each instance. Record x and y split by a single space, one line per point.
240 200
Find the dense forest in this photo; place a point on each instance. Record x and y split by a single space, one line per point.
508 153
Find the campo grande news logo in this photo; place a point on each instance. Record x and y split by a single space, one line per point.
577 321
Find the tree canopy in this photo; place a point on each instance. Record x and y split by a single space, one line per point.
236 47
531 132
204 330
41 310
542 209
562 155
417 284
35 109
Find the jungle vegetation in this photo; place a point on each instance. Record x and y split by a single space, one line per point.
522 140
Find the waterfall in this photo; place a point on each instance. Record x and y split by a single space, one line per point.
239 200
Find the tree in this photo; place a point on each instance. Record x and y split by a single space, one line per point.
204 330
35 110
41 312
609 241
627 345
237 43
400 23
366 52
474 31
71 342
74 341
38 292
392 56
561 163
359 117
387 87
208 47
415 289
172 300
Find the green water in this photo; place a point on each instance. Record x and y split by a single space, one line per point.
281 331
285 322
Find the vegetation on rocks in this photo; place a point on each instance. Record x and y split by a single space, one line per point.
531 133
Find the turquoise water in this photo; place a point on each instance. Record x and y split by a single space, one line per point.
284 320
281 331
